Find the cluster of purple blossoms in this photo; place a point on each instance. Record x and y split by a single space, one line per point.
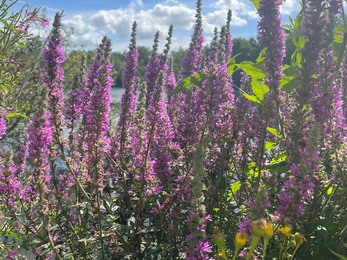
272 38
128 99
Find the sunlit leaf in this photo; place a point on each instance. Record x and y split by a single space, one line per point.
255 71
190 82
233 189
330 190
259 89
252 98
256 3
270 145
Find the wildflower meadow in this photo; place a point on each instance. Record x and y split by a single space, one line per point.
193 166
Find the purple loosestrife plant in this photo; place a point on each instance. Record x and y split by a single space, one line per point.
39 140
189 123
199 248
272 37
128 103
160 132
228 38
153 68
302 146
97 122
53 76
191 63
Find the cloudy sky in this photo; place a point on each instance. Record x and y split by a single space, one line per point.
92 19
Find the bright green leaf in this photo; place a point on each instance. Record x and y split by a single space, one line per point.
256 3
255 71
252 98
330 190
270 145
233 189
190 82
261 57
259 89
14 114
273 131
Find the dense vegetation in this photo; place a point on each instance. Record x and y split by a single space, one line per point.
213 155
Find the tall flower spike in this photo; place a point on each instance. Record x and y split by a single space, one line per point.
170 81
198 246
160 132
193 58
212 55
52 77
228 38
153 68
128 104
97 120
272 38
168 44
221 46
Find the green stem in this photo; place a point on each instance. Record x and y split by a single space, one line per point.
266 241
254 242
235 254
296 248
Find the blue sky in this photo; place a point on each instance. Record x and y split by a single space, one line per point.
92 19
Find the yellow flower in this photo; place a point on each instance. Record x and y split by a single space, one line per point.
240 240
269 231
285 230
258 227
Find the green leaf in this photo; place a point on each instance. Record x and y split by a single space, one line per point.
190 82
14 114
338 255
289 85
295 34
21 44
233 189
261 57
256 3
255 71
259 89
339 31
3 88
232 63
269 145
330 190
252 98
274 131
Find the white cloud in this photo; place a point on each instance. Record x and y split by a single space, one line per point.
120 21
238 6
290 6
218 18
90 28
83 33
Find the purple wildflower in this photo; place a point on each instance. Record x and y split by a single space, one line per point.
128 105
97 121
160 132
272 38
52 77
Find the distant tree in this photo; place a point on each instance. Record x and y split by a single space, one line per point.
249 50
177 57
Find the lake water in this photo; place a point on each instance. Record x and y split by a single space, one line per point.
117 94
